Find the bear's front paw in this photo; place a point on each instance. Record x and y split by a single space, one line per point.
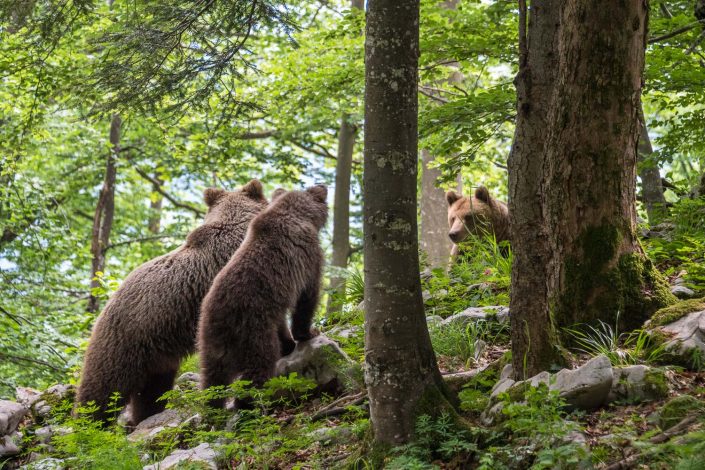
301 336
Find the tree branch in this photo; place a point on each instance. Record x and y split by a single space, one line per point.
137 240
14 358
676 32
166 195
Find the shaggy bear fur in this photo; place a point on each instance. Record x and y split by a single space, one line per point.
150 322
278 267
479 215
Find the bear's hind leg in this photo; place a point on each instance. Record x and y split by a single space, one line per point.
144 404
217 371
259 363
286 342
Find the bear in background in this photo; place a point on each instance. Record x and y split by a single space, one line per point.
277 268
149 324
479 215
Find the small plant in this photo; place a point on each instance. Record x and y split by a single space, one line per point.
463 341
621 348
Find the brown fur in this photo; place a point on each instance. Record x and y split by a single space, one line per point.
278 267
479 215
150 323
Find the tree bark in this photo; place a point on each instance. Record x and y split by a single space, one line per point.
651 186
599 270
104 213
401 373
341 212
434 215
155 207
532 332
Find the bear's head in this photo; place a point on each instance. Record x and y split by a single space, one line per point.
226 206
469 214
310 205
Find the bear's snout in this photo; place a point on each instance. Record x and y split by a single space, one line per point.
456 235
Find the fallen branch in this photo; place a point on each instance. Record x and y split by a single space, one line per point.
328 412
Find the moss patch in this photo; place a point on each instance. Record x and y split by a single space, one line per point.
676 311
655 381
675 410
597 286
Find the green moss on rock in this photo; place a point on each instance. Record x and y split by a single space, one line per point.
676 311
678 408
655 381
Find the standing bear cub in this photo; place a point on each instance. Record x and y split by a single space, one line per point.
277 268
480 215
150 322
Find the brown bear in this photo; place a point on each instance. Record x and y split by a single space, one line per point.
479 215
277 268
149 324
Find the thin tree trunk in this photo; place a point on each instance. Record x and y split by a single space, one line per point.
651 185
434 215
341 212
532 333
155 207
401 373
104 212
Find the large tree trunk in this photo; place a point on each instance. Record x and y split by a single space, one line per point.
651 185
104 212
401 373
533 335
341 212
573 176
434 214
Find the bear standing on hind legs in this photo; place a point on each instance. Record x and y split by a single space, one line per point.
277 268
150 322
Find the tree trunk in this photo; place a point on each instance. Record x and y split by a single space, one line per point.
341 212
599 271
434 215
532 332
651 186
155 207
104 212
401 373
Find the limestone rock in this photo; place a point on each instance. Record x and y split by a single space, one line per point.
11 413
45 464
345 331
686 337
155 424
187 377
331 435
321 360
10 445
638 383
472 314
434 320
202 455
682 292
586 387
51 397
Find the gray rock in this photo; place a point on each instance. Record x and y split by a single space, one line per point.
345 331
11 413
45 464
155 424
202 454
586 387
682 292
27 396
480 347
507 372
637 384
331 435
321 360
10 444
187 377
472 314
687 336
50 397
434 320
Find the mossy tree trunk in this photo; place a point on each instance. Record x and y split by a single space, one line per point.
401 371
573 177
599 270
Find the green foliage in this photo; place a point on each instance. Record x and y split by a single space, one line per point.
441 437
480 277
622 349
463 341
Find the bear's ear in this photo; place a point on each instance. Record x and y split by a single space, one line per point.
278 193
482 194
254 189
452 196
212 195
319 192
